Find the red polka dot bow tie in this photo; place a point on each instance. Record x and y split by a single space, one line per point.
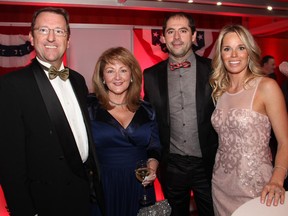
174 66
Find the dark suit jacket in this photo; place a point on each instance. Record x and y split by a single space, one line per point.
284 88
41 170
156 92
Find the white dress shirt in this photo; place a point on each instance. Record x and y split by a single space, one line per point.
72 110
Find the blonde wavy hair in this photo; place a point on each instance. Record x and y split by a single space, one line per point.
126 57
219 79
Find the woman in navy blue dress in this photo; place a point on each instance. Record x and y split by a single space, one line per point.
124 130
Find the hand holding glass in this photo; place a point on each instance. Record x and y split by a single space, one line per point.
141 172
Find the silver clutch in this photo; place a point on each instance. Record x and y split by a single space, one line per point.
161 208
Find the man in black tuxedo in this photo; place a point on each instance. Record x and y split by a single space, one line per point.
47 161
179 90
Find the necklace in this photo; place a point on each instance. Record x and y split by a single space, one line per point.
118 104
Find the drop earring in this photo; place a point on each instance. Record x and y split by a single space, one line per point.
104 82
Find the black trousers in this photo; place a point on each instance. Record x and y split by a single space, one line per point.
183 175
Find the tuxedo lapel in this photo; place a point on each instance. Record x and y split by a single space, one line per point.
59 120
92 161
200 89
163 89
203 89
83 106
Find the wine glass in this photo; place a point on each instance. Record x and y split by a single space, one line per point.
141 172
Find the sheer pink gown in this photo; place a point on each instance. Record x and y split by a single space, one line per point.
243 160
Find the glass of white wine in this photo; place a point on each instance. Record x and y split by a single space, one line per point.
141 172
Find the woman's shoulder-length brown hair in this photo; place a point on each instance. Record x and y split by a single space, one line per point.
127 58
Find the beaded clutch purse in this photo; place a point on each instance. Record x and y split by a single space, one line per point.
161 208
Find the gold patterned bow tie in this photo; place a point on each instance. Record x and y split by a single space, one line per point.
174 66
53 73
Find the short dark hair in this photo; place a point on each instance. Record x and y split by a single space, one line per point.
265 59
180 14
60 11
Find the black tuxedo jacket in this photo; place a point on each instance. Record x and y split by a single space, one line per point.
41 171
156 92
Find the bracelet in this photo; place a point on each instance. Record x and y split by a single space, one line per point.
281 167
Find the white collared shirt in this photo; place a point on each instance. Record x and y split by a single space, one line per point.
72 110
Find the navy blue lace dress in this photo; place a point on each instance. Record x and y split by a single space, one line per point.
118 149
